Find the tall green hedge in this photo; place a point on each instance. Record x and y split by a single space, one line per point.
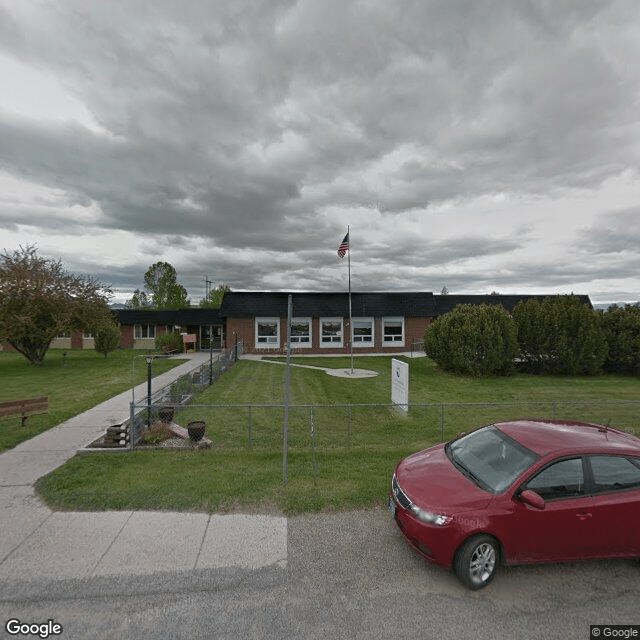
621 326
473 340
560 335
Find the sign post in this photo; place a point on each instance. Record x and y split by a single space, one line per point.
400 384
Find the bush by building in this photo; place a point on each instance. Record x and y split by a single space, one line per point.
473 340
170 341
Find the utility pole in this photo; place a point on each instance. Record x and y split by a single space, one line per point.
207 287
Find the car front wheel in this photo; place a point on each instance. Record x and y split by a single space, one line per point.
476 562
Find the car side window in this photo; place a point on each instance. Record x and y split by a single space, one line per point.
614 473
563 479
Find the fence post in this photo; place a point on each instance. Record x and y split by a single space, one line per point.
312 427
349 426
132 425
250 429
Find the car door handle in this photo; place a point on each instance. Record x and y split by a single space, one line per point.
583 516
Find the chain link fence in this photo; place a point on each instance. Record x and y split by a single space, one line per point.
260 427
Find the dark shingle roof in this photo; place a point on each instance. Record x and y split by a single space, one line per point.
261 303
195 315
446 303
249 304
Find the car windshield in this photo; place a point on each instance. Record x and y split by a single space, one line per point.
490 458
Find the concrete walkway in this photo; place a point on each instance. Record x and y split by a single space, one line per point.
38 543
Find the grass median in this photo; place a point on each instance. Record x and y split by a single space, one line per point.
343 438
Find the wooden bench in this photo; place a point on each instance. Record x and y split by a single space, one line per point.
24 408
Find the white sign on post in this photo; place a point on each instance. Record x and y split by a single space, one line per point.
400 384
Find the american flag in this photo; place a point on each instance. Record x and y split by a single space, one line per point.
344 246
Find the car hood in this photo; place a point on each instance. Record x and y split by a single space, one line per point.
430 480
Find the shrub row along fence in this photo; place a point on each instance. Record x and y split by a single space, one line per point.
312 428
180 393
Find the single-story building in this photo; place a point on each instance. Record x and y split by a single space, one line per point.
380 322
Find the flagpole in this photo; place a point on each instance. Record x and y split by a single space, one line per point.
350 316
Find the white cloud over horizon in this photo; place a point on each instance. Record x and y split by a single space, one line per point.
479 146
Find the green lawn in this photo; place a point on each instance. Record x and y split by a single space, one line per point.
73 384
341 454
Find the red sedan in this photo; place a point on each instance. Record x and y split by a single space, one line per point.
521 492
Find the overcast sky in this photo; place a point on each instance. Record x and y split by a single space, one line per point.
481 145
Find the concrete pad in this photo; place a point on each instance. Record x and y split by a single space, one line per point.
21 513
68 545
25 467
352 373
154 541
249 541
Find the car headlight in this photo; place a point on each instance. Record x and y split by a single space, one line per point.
429 517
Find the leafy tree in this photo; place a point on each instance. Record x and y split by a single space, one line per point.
106 337
560 335
473 340
621 327
164 292
214 300
140 300
39 300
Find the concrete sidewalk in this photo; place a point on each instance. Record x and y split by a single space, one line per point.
36 542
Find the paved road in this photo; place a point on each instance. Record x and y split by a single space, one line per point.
346 576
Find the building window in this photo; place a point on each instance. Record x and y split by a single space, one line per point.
301 332
144 331
362 332
330 332
393 332
268 333
87 335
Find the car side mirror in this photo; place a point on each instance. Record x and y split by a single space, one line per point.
532 498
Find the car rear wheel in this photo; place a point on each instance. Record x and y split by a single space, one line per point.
476 562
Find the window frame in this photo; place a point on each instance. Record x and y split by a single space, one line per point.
150 331
386 342
267 344
360 344
331 344
296 341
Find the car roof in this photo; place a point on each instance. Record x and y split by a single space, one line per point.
560 436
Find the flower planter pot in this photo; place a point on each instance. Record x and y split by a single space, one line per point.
196 430
166 413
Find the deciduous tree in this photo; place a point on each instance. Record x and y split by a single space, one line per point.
160 281
39 300
106 337
215 297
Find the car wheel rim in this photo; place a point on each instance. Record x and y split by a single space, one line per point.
483 563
